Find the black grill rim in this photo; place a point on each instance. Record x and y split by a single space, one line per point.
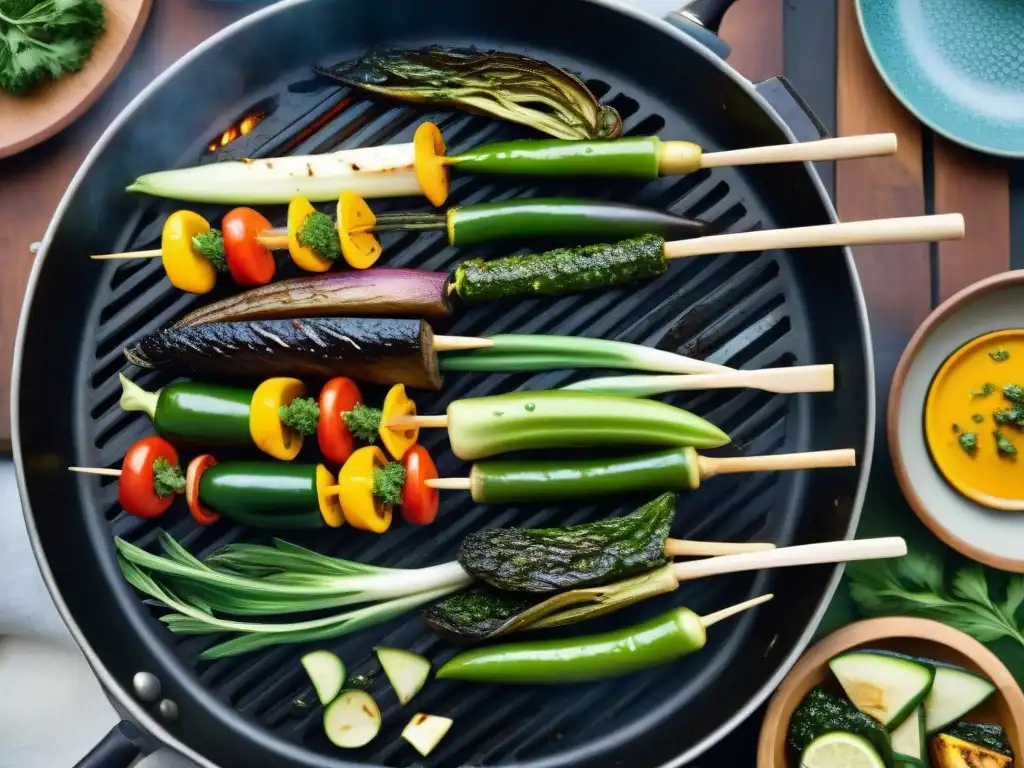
140 714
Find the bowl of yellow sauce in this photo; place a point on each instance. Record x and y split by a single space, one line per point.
974 419
954 426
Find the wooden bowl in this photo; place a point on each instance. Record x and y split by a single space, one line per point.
28 120
917 637
982 533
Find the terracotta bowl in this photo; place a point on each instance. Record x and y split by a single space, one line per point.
917 637
982 533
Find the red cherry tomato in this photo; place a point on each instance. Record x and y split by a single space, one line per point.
135 490
249 262
193 475
419 501
338 396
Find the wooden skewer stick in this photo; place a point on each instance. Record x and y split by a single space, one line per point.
150 254
910 229
97 471
843 148
453 343
709 467
732 610
785 557
687 548
801 378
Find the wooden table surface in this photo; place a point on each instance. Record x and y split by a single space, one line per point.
816 43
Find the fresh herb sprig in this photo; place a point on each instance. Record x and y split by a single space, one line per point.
916 585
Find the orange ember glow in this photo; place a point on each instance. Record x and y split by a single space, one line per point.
242 127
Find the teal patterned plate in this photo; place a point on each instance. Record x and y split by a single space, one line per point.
956 64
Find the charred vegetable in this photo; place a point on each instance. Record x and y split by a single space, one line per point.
822 712
477 613
504 85
950 752
988 735
551 559
380 293
564 270
374 350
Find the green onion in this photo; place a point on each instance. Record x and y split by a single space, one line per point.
524 352
252 580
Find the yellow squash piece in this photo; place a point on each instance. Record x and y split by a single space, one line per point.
431 170
951 752
359 246
186 269
265 426
303 256
397 405
327 496
362 509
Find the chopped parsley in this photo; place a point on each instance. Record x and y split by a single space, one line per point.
1014 392
999 355
969 442
1004 445
986 390
977 418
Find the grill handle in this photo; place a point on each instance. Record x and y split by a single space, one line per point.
700 19
115 750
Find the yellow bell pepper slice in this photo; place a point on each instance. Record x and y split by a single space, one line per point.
359 246
267 430
303 256
362 509
327 496
396 405
186 269
431 170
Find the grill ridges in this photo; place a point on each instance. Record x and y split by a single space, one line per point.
730 309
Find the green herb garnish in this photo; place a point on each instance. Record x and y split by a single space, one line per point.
986 390
1004 445
999 355
302 414
977 418
45 39
956 429
914 585
1014 392
319 233
388 482
167 478
210 244
969 441
363 422
1009 416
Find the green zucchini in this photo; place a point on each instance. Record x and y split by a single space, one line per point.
479 427
263 494
909 742
955 692
551 559
473 615
988 735
887 686
636 156
821 712
563 270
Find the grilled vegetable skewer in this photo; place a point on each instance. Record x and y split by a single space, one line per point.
659 640
382 351
676 469
410 293
492 613
421 167
276 416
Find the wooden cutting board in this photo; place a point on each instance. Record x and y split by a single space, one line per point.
28 120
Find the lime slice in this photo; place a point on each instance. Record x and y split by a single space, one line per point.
839 749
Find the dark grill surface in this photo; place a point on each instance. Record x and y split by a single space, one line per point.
738 310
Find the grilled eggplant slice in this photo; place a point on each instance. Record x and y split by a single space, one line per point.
379 292
373 350
475 614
